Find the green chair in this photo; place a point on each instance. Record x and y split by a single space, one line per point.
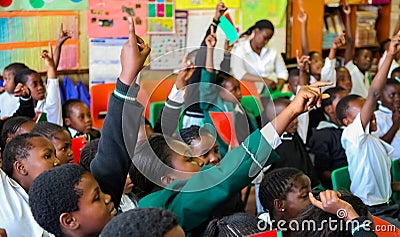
277 94
155 111
253 104
395 170
341 179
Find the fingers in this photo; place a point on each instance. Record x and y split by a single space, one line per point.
132 36
62 29
212 31
50 50
314 201
320 84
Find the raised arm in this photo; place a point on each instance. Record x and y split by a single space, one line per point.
348 54
63 36
302 18
379 82
303 64
26 107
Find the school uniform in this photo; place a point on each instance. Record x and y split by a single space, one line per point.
194 200
9 104
361 81
91 135
393 65
50 108
328 72
384 121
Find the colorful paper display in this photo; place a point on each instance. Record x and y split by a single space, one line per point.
26 5
204 4
160 17
273 10
109 18
229 29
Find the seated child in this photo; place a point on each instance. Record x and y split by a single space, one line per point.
395 74
78 121
292 151
343 79
387 116
325 142
144 222
9 102
367 155
238 224
47 99
60 138
15 126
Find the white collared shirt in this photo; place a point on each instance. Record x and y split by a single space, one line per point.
15 214
360 81
8 104
392 66
268 64
369 163
328 73
51 105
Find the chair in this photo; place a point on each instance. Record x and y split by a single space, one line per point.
155 111
223 123
100 94
253 104
249 88
341 179
395 170
278 94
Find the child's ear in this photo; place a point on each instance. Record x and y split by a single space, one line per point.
166 180
68 222
329 109
67 122
346 122
19 167
279 205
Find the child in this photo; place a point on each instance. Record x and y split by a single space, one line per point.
325 142
15 126
343 79
387 116
60 138
47 106
77 120
367 155
188 191
395 74
144 222
9 102
239 224
110 167
223 98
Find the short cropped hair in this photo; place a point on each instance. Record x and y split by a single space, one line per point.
144 222
15 67
66 108
332 92
55 192
21 76
47 129
343 106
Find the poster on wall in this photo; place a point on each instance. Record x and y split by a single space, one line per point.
254 10
165 53
41 5
160 17
109 18
204 4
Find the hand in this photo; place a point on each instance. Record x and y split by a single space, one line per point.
346 9
308 96
211 39
303 62
331 203
22 91
302 16
270 84
186 71
394 46
339 41
47 56
131 59
219 10
63 35
228 48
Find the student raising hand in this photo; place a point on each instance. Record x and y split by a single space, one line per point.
184 74
211 39
21 91
219 10
63 36
132 58
47 56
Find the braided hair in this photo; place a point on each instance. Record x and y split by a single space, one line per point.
238 224
11 127
261 24
88 153
276 185
47 129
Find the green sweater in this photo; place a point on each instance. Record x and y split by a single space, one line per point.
194 200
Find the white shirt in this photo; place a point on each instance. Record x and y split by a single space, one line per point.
360 81
268 64
369 163
15 214
126 203
8 104
392 66
303 120
328 72
384 121
51 105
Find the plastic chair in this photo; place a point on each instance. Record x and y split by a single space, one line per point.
223 123
253 104
395 170
341 179
100 94
277 94
155 111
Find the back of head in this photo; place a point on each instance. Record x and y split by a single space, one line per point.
332 92
88 153
10 127
275 107
144 222
15 67
47 129
53 193
238 224
21 75
189 134
343 106
18 148
275 185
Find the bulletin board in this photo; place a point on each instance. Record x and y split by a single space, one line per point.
42 5
160 17
165 53
204 4
21 40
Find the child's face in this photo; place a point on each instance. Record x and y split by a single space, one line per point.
183 160
316 64
79 118
35 84
391 97
293 83
297 198
232 87
8 81
42 157
206 147
62 144
364 60
262 37
128 185
343 79
95 207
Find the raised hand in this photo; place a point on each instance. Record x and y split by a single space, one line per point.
211 39
228 48
302 16
339 41
21 91
47 56
219 10
346 9
184 74
132 59
63 35
308 96
303 62
394 46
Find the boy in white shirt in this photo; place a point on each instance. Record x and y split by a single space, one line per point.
368 156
